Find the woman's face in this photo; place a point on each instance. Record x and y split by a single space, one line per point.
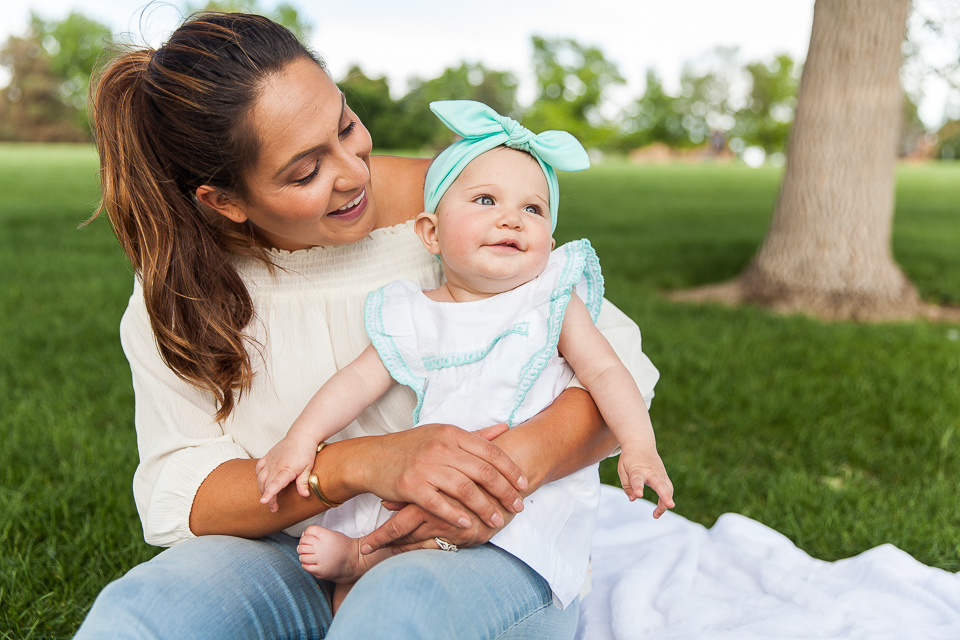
309 184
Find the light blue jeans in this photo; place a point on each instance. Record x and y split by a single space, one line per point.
231 588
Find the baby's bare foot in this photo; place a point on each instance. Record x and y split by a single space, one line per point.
330 555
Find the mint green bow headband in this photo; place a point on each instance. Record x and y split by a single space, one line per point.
483 129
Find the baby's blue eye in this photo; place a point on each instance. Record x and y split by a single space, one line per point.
534 209
485 200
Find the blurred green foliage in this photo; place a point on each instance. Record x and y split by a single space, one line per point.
50 68
766 118
284 13
723 103
407 123
571 82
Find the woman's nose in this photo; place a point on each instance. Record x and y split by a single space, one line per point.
353 173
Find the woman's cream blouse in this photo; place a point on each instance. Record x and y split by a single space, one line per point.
308 324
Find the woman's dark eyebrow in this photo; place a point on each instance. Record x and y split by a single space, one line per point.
303 154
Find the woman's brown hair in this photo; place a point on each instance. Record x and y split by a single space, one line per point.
166 122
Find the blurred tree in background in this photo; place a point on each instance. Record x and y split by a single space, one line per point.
707 101
50 69
934 25
653 118
720 101
284 13
74 46
407 123
948 141
370 100
828 249
571 82
722 104
766 118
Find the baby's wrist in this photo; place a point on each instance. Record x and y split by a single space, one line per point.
638 445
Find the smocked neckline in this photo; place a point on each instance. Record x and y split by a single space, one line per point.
374 237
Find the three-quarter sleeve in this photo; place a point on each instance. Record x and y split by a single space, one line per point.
624 336
179 440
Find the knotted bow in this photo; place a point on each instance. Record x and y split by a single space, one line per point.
483 129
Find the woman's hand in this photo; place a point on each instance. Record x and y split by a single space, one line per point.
413 528
455 475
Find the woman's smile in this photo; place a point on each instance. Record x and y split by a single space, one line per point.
352 210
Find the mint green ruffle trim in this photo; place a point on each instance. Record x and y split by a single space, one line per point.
458 359
389 352
581 262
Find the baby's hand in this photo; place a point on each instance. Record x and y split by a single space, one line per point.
640 465
290 459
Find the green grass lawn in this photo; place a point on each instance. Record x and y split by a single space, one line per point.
841 436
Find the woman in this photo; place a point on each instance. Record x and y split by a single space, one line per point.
242 189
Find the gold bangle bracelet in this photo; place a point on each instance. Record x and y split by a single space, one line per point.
314 483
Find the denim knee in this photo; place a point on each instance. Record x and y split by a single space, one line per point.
481 592
214 587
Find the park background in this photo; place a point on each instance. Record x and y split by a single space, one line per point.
841 435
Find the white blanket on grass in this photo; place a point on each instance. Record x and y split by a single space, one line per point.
740 580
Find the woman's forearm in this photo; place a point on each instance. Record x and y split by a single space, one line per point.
228 501
418 466
567 436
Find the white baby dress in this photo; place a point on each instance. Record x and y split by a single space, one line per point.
475 364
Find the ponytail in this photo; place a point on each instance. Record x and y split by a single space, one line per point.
165 123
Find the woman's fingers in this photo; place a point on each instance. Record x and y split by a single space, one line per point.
405 522
445 464
429 543
482 464
459 477
412 526
493 432
432 500
494 455
466 489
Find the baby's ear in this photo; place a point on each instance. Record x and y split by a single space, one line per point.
426 227
553 244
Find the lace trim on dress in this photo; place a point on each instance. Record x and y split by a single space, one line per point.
593 298
389 352
580 262
457 359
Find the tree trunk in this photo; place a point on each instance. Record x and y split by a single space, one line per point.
828 249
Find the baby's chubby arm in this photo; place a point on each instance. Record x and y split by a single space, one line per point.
338 403
602 373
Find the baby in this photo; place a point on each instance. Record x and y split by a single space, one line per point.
496 343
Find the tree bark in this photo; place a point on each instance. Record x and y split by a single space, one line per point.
828 249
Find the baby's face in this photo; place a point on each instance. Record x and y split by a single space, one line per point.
494 228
